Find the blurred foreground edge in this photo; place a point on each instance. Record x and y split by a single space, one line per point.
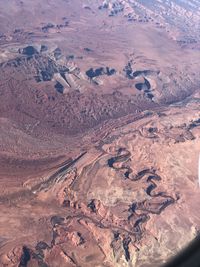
188 257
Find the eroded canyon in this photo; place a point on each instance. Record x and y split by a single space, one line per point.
99 132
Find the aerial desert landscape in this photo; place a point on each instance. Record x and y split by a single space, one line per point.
99 131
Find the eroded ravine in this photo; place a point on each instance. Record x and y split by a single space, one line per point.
130 228
99 206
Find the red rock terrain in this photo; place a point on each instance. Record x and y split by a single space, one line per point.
99 132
